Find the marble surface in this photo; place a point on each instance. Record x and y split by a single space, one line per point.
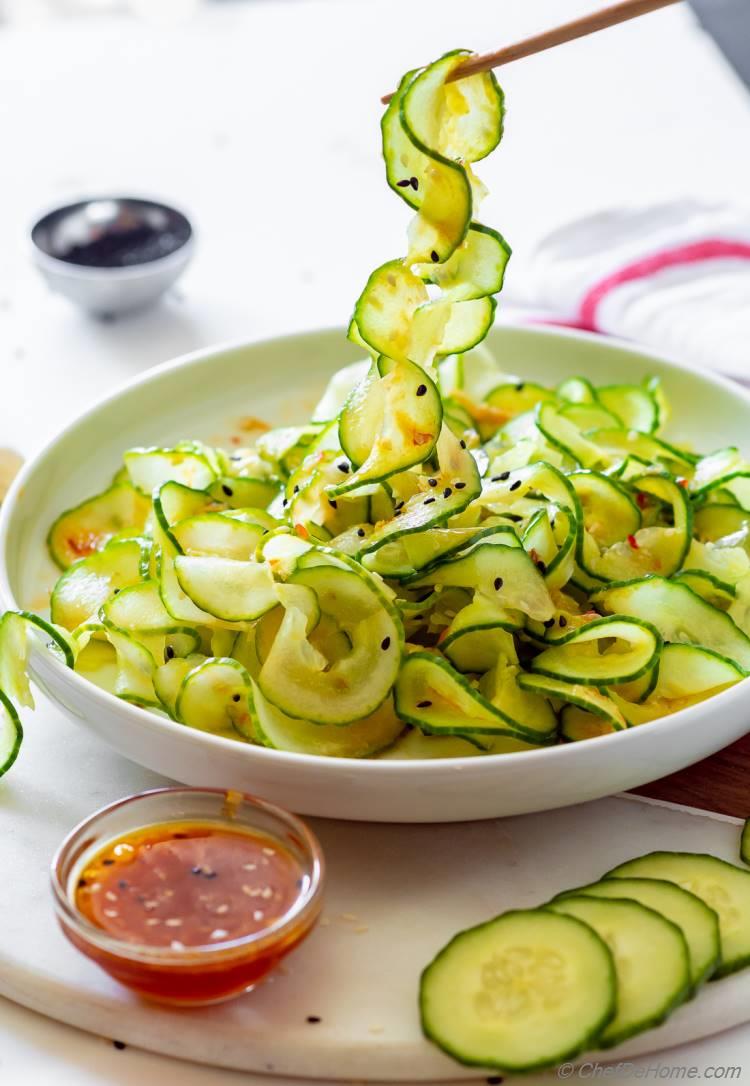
268 159
395 894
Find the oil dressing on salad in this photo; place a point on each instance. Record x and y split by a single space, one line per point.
445 560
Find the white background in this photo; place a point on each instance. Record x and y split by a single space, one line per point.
261 120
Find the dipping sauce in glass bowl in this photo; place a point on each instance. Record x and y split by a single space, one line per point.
188 896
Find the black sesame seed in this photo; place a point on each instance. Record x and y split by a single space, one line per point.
498 583
235 697
169 652
82 883
119 1045
402 185
520 386
515 517
108 863
421 390
432 482
285 502
447 492
549 624
179 836
196 870
563 622
122 884
314 1018
209 874
414 183
428 501
541 566
361 533
424 704
399 505
385 643
333 504
116 592
515 486
459 485
397 513
462 443
235 456
343 466
296 490
494 1080
435 257
227 490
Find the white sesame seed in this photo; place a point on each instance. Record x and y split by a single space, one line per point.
251 891
173 922
152 921
269 851
267 893
150 905
110 896
219 933
221 909
111 912
249 867
258 914
177 945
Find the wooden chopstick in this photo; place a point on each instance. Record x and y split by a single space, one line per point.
578 28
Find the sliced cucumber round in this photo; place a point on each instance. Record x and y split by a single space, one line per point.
525 991
698 923
724 888
651 961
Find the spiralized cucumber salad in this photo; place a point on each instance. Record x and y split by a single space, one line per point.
446 560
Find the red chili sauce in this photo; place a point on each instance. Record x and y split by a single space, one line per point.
185 885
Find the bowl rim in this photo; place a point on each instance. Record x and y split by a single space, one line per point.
304 905
64 268
103 701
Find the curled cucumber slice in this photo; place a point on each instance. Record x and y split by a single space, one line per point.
11 734
302 682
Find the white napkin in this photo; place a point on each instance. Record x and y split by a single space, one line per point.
674 276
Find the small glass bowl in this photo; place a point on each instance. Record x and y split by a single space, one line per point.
193 975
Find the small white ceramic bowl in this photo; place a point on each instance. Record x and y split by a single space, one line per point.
107 291
280 380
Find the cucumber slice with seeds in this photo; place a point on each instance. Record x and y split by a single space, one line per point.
390 422
651 961
698 923
724 888
216 697
438 700
570 661
522 992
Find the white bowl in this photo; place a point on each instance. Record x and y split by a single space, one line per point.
279 380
